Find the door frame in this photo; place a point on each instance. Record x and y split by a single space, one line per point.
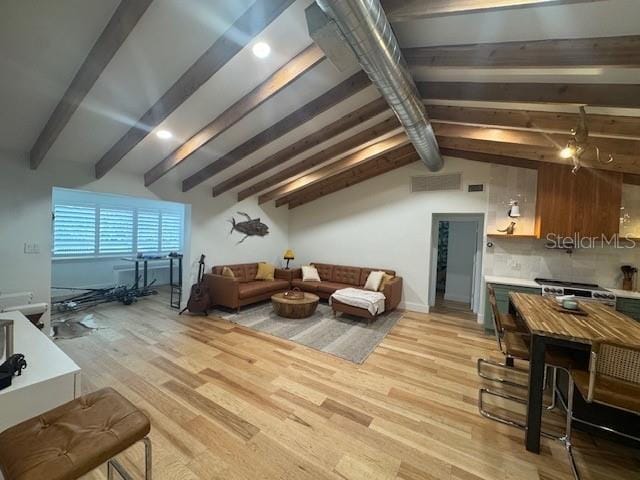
476 279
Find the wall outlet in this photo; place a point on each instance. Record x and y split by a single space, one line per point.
515 265
31 247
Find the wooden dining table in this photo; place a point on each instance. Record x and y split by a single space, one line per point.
549 326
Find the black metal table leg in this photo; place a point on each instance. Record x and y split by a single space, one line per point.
536 385
146 268
137 274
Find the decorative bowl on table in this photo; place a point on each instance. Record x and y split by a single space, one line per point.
294 294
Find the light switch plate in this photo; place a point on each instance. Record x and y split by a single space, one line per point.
31 247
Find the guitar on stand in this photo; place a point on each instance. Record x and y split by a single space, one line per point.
199 297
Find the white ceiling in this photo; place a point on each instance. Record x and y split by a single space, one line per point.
43 43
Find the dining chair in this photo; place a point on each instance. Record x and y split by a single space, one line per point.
510 340
513 341
613 380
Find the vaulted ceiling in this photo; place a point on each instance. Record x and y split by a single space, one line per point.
93 80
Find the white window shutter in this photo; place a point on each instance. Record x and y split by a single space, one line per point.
74 230
116 231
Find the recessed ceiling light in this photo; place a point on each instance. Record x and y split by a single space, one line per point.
261 50
164 134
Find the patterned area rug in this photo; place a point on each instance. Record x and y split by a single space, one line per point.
344 336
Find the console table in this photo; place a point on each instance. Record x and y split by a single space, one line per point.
50 379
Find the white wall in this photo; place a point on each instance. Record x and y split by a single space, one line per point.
380 223
460 257
25 216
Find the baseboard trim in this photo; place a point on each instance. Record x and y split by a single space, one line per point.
415 307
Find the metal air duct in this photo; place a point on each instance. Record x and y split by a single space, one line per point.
366 29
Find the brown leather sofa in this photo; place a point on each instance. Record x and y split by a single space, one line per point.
335 277
244 289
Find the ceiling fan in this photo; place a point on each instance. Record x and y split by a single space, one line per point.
578 144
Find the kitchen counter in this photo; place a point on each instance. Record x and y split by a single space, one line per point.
520 282
624 293
50 379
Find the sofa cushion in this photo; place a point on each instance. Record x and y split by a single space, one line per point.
266 272
324 270
364 274
349 275
330 287
239 271
259 287
251 270
310 287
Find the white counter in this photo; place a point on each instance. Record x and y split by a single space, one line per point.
50 379
624 293
519 282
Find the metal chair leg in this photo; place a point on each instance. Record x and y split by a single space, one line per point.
147 458
115 465
504 420
482 361
567 435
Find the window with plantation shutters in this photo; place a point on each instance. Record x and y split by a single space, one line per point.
171 236
116 231
148 231
74 230
87 224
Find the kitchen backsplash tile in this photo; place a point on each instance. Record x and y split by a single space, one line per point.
530 258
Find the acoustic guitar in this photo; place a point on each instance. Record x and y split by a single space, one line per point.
199 300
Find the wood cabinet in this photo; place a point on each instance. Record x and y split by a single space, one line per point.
587 203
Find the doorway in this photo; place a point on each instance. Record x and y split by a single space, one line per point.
456 263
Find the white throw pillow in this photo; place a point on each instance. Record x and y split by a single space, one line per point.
310 274
373 281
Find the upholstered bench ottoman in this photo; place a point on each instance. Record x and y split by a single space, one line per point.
75 438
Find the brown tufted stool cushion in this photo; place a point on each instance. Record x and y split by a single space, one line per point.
72 439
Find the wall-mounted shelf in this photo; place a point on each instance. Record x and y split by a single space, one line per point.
504 235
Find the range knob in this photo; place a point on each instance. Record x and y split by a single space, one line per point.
597 295
547 289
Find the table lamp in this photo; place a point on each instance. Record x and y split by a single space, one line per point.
288 256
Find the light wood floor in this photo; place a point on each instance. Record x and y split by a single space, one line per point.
228 403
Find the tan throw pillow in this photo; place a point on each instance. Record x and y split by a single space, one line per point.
373 281
310 274
266 272
386 278
227 272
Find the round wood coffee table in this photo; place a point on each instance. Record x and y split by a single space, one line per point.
294 308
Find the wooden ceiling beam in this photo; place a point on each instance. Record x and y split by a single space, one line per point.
355 175
332 97
325 133
109 42
255 19
363 155
540 153
324 155
623 51
491 158
617 146
604 125
407 10
283 77
601 94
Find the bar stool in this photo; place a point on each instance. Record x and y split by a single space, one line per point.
613 380
71 440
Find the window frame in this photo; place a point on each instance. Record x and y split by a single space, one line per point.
135 205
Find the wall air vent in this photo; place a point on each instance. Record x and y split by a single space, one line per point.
435 183
479 187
